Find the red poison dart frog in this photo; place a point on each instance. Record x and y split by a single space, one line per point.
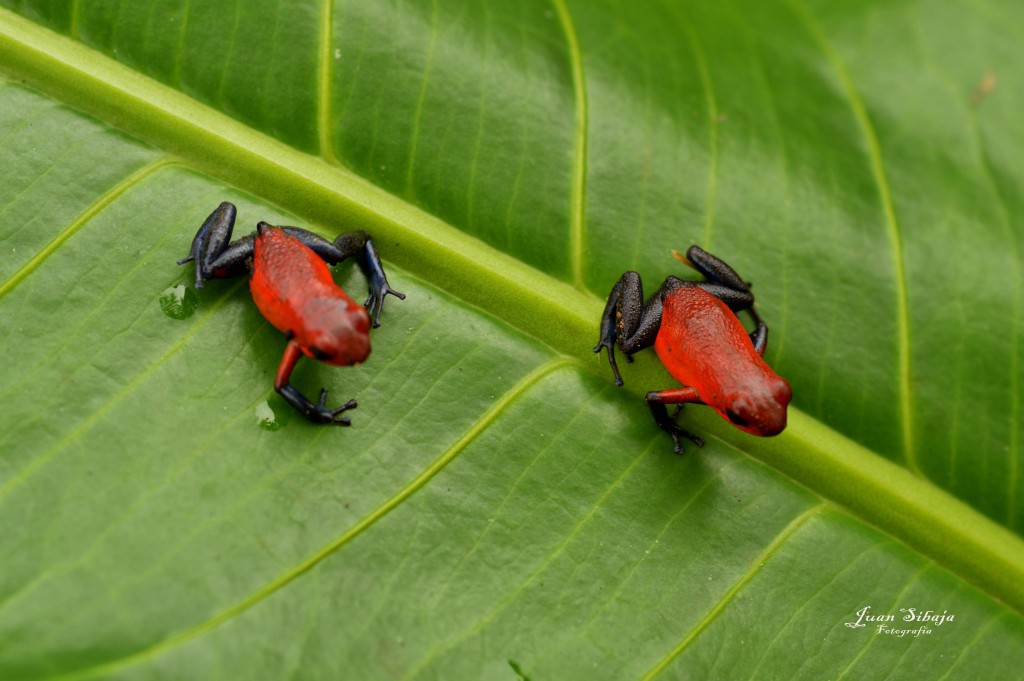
294 290
695 330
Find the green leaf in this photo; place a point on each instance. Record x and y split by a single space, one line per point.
499 509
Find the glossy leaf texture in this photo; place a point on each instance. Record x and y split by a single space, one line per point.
499 509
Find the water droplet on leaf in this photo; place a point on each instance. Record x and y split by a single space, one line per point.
266 417
179 302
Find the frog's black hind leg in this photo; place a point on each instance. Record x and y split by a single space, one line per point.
214 256
725 284
628 321
345 246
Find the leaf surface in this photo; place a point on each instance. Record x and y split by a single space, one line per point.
498 508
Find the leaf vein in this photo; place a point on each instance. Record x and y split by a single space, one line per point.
577 218
711 104
895 602
89 213
960 653
417 118
755 568
324 75
282 580
34 465
511 489
610 598
874 150
179 50
511 596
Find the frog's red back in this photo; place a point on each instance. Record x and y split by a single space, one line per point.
293 288
703 344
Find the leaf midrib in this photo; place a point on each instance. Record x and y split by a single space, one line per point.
871 487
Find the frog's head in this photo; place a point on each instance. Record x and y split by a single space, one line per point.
760 411
341 338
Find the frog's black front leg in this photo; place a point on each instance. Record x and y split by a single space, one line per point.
215 257
317 413
728 286
345 246
658 399
628 321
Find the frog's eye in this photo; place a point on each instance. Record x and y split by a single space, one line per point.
736 418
